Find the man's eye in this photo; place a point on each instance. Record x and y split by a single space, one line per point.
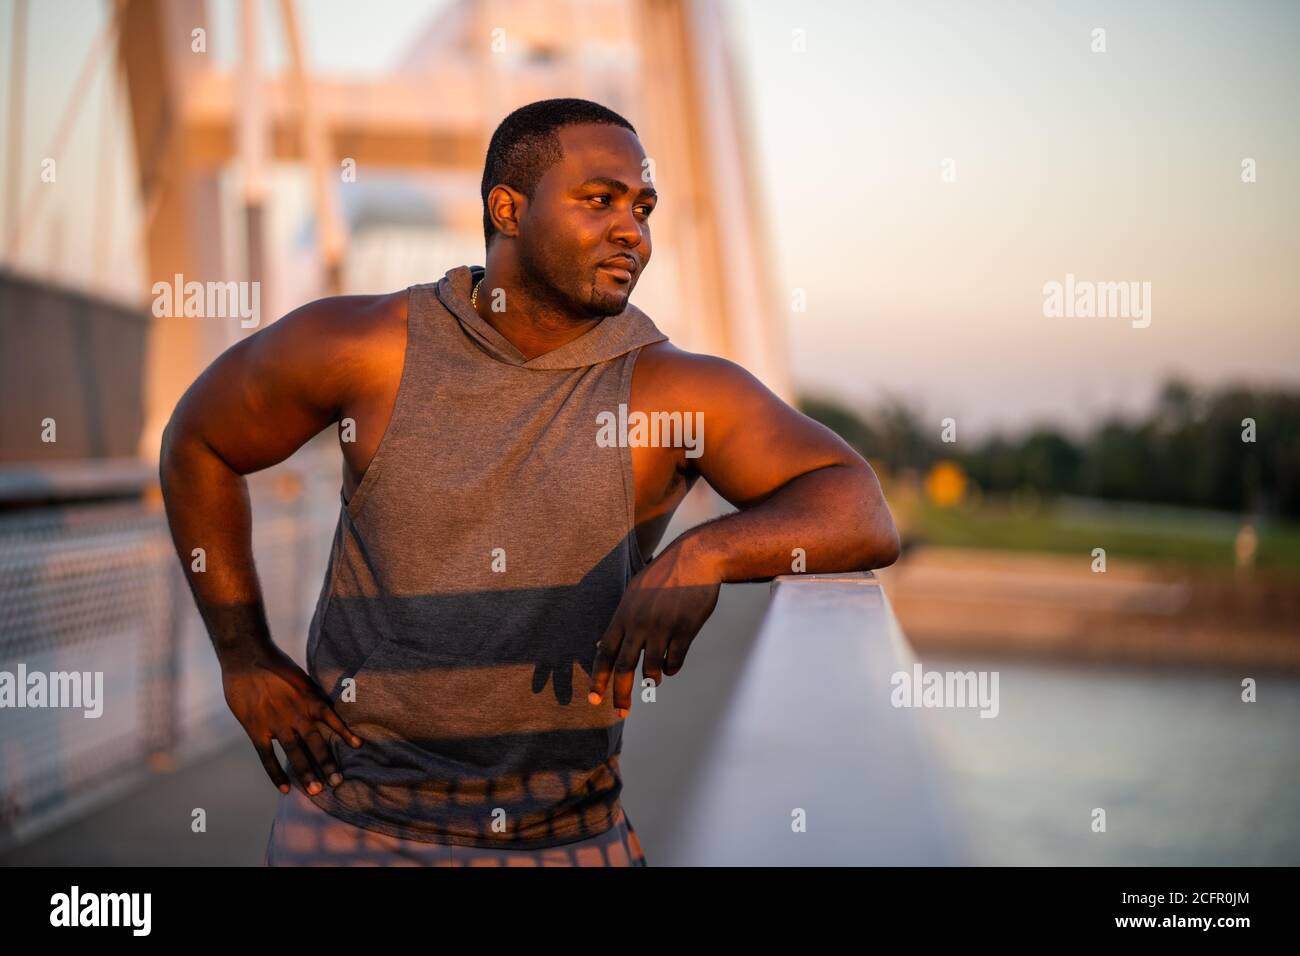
648 208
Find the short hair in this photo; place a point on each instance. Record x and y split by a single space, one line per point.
525 145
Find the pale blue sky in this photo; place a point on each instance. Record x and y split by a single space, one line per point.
1123 165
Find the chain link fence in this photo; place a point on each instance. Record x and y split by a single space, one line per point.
97 589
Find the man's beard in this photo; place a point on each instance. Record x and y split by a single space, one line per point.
600 305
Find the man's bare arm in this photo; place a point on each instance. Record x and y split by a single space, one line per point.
797 485
253 407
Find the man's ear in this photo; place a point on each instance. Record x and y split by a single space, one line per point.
505 206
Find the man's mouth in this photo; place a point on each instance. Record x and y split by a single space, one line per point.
619 267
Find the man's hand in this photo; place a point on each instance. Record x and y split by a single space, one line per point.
275 699
662 610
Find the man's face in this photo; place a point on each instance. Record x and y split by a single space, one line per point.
589 207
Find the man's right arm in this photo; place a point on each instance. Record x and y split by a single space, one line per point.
259 401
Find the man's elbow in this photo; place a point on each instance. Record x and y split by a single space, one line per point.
176 453
168 442
895 546
882 548
177 436
880 543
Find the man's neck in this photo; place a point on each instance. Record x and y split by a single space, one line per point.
532 325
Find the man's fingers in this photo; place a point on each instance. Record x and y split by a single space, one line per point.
652 661
676 654
625 674
606 653
273 769
323 757
330 718
297 754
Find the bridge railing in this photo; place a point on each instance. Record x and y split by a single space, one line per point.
812 763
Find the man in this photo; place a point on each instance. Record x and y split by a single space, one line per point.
489 591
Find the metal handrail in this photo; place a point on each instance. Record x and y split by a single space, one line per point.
811 729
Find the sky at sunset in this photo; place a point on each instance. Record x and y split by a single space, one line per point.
1115 166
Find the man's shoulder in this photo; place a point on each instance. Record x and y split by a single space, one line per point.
356 342
666 373
350 318
354 329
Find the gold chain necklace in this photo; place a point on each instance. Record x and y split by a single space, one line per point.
473 299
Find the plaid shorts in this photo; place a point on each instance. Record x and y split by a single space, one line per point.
303 834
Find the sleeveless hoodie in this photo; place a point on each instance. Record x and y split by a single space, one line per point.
471 574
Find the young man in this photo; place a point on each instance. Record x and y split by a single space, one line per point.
489 590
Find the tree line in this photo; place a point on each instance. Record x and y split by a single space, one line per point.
1190 449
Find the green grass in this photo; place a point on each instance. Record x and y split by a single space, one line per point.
1157 535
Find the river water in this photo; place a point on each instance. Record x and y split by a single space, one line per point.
1187 773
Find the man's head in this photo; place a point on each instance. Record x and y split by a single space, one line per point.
563 192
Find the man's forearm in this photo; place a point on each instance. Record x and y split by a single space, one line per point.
836 516
208 509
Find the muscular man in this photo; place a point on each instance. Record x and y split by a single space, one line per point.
490 591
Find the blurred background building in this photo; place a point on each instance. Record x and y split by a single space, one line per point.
861 204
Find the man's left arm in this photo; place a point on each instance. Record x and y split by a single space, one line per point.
797 485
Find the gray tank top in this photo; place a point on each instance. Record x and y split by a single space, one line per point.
471 575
